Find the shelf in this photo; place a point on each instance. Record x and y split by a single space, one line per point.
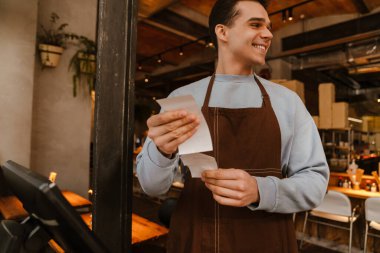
336 147
335 129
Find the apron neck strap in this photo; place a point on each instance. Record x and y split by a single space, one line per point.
209 89
211 84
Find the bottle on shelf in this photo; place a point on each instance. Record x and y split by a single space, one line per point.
345 184
373 187
352 167
368 185
349 185
340 182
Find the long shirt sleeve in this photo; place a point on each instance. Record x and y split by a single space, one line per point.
303 161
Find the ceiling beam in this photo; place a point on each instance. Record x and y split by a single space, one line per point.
361 6
180 23
169 29
149 7
190 14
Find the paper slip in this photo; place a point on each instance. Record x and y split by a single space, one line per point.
198 162
201 140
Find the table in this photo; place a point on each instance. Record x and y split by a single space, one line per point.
11 207
360 194
76 200
142 229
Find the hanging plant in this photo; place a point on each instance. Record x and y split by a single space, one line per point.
83 64
52 41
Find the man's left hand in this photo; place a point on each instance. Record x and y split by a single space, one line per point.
231 187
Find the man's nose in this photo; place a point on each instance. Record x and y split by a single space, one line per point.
267 34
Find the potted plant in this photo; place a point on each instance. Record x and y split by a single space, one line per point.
51 42
83 63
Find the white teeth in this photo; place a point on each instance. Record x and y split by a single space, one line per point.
260 47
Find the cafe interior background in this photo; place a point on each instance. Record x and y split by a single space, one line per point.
43 126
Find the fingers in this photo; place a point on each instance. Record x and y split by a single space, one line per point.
223 174
230 184
169 145
176 127
170 129
229 201
165 117
231 187
225 192
225 196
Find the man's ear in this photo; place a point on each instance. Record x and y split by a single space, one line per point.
221 32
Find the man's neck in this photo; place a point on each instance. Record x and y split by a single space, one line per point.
230 66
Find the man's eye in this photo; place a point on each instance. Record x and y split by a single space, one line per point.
255 25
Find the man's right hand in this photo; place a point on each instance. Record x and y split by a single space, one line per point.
170 129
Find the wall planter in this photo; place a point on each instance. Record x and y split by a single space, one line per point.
87 63
51 42
83 64
50 54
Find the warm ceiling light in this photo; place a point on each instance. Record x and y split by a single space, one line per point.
290 12
139 66
180 51
146 79
284 16
208 43
159 60
378 98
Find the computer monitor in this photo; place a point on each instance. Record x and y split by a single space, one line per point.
44 202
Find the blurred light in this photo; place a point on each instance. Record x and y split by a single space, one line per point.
52 176
139 66
284 16
355 120
146 79
180 51
159 60
290 14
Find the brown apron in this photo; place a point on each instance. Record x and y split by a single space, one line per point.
248 139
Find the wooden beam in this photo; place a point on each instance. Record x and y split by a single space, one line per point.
168 29
179 23
361 6
190 14
149 7
114 120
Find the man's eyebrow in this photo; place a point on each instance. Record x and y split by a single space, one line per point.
260 20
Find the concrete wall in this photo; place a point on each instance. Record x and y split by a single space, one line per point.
61 123
17 46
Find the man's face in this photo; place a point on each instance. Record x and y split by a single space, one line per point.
249 36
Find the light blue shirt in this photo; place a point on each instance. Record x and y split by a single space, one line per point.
302 157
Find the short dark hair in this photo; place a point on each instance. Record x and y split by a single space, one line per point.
224 12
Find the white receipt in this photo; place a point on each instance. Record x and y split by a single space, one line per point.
198 162
201 140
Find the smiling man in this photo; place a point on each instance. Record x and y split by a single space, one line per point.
268 149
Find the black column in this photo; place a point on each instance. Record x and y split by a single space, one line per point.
114 120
